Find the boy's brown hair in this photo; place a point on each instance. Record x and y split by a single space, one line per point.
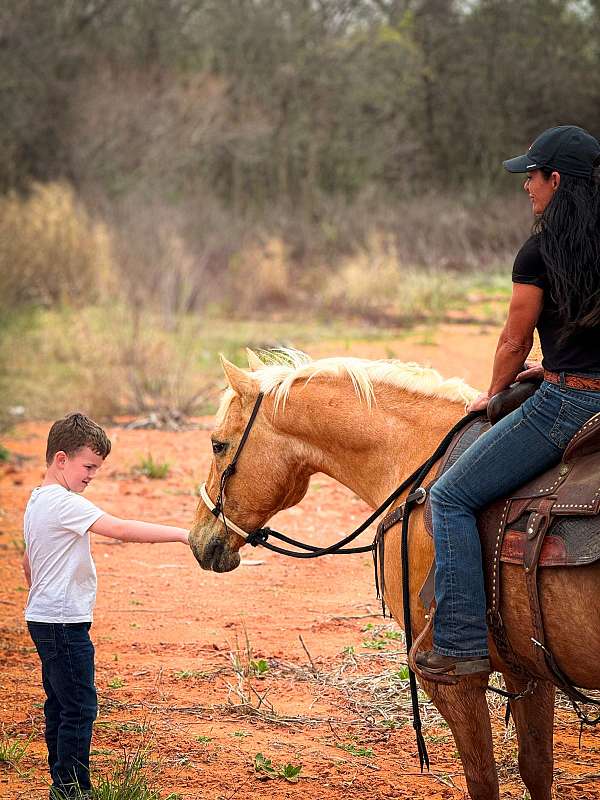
73 432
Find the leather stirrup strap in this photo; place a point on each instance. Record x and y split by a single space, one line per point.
537 527
494 618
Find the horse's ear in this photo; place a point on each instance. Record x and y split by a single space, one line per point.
239 380
254 361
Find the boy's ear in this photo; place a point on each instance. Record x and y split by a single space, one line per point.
60 459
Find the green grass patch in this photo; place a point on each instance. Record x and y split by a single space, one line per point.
132 727
402 674
267 770
259 667
356 750
129 780
381 637
186 674
156 470
374 644
12 750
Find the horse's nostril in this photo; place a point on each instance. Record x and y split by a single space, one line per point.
211 553
205 555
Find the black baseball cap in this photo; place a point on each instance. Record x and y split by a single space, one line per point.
567 149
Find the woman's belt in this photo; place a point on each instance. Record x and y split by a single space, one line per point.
573 381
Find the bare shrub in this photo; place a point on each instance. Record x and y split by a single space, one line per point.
50 250
138 126
170 257
260 277
102 361
461 233
374 283
454 230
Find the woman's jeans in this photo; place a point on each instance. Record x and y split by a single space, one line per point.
522 445
67 656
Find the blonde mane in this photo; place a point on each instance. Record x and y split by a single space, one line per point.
282 368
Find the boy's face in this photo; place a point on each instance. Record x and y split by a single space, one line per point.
79 469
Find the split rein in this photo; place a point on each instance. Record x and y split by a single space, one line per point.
260 536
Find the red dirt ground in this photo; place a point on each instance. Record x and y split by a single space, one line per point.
167 635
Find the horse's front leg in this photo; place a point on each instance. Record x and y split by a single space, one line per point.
534 720
464 708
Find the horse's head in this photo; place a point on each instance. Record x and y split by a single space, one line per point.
271 473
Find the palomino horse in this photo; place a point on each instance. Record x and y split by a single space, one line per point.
369 425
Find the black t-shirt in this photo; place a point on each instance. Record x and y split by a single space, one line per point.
581 352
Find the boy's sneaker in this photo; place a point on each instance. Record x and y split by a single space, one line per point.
432 665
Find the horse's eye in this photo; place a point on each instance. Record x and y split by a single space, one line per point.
219 447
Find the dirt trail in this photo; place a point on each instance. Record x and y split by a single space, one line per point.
174 644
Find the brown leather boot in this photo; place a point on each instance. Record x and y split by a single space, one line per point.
433 664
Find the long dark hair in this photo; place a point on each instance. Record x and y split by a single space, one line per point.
569 235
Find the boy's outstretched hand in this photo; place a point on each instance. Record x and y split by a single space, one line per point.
133 530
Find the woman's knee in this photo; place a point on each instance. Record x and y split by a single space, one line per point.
441 493
447 494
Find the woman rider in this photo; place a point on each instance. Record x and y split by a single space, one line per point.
556 277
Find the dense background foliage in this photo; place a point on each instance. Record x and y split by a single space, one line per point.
273 100
229 156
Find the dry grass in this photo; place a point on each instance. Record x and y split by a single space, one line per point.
107 360
51 251
104 361
378 287
260 278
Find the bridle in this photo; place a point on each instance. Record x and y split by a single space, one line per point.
259 536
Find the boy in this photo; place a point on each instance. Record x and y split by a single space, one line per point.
62 579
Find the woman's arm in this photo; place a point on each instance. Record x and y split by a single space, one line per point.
132 530
515 340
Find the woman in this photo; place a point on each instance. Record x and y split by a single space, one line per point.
556 277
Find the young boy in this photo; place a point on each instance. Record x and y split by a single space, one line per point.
62 578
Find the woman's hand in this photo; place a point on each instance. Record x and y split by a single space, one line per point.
532 372
480 403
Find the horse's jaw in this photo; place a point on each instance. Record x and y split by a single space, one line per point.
212 551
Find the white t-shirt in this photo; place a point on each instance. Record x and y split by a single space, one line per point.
57 539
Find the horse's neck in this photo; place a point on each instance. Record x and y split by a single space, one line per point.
371 451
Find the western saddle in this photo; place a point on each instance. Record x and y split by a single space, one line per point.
551 521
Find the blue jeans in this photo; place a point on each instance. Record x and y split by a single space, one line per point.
67 656
515 450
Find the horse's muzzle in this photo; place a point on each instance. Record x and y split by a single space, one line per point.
215 556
